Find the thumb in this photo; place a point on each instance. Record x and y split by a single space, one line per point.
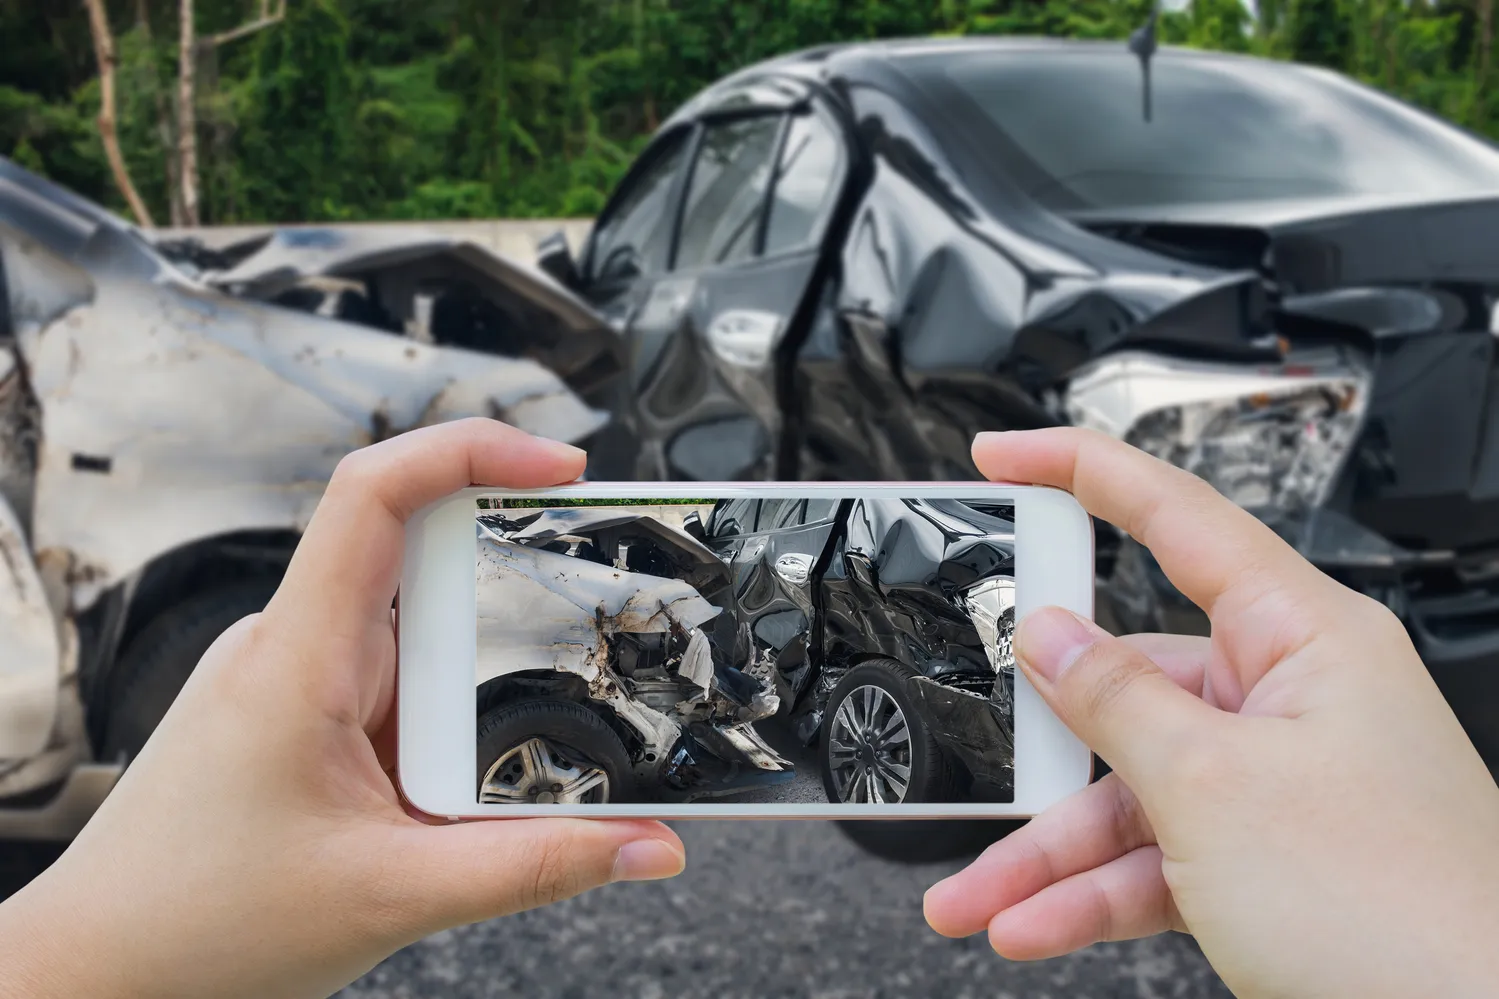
1111 695
478 870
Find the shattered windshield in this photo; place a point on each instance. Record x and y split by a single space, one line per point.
1067 128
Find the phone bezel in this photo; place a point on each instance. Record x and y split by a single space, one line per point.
437 651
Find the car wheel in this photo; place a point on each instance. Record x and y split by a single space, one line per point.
927 841
546 751
158 661
874 747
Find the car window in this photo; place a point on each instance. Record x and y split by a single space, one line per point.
779 513
731 518
1221 130
806 185
819 510
635 235
721 220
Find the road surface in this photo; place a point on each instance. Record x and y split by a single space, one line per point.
767 909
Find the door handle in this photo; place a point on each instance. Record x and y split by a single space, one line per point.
794 567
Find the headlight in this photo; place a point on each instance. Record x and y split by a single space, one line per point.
1270 438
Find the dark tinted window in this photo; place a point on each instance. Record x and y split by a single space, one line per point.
635 237
806 185
1068 128
724 200
731 518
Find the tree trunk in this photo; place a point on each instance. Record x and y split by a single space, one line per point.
187 123
165 133
1485 38
104 52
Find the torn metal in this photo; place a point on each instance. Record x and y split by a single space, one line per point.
608 598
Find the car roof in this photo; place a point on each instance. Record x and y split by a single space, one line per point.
875 61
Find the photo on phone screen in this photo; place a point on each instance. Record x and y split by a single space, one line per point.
786 650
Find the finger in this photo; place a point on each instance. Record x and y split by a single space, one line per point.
478 870
1184 658
348 563
1209 548
1113 696
1124 899
1088 829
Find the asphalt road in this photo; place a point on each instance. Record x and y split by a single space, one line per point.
767 909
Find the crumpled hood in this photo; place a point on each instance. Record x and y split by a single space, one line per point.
548 611
293 254
702 568
1316 244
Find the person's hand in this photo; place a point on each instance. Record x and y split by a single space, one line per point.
258 846
1294 791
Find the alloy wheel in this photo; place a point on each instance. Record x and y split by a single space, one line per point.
869 748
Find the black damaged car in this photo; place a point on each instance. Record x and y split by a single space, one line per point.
889 622
843 263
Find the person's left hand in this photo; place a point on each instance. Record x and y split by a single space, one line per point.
258 845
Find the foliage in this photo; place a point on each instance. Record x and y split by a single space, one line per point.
371 109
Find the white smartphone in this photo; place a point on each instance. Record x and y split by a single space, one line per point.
756 651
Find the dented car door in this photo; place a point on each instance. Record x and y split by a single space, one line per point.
777 597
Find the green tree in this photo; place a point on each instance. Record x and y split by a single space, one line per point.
295 148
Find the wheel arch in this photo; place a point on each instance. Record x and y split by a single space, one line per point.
551 683
126 609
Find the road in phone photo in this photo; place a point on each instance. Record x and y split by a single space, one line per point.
768 909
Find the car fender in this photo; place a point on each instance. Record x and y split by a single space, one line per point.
233 418
30 647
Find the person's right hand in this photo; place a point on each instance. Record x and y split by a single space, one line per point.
1294 791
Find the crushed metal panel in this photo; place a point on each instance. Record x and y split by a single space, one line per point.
744 738
234 416
30 652
293 254
544 610
697 661
969 726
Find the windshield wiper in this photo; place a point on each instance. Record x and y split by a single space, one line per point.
1142 44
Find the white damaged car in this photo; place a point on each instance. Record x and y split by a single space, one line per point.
169 418
607 667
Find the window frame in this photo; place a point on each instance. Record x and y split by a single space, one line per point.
754 519
648 160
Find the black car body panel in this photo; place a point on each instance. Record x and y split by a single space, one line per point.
973 260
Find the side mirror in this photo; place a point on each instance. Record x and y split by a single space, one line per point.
693 525
555 258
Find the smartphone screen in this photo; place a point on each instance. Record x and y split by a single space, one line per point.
776 649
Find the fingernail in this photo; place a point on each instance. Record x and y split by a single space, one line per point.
566 449
1050 640
647 860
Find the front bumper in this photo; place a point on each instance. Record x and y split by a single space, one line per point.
1448 602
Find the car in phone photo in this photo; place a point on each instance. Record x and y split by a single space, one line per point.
622 655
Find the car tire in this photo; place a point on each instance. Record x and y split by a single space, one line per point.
932 774
574 737
927 841
151 671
